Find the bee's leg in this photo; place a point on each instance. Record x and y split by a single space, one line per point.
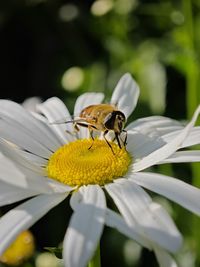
125 140
104 136
91 135
113 138
76 128
118 141
71 133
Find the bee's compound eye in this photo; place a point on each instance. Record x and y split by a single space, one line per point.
109 121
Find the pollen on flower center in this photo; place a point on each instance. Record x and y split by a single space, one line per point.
76 164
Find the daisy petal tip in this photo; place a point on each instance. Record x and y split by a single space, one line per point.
127 75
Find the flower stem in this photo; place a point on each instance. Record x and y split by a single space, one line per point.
192 73
96 260
193 98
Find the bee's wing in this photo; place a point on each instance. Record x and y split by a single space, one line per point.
125 95
82 102
87 99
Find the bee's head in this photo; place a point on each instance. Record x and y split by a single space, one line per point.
115 121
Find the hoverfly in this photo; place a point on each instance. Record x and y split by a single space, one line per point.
103 118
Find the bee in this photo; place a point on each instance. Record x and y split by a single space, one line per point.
103 118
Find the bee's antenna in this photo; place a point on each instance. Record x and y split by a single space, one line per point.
60 122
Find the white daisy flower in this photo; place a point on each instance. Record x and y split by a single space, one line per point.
43 161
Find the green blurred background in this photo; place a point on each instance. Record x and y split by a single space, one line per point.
65 48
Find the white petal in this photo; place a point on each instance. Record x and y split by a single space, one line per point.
22 176
154 125
114 220
31 103
163 218
11 152
86 226
82 102
183 156
13 132
10 174
24 216
57 187
15 186
192 139
11 194
17 117
164 259
166 150
126 94
148 134
11 179
141 145
55 110
35 159
182 193
152 220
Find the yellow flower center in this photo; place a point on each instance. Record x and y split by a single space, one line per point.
20 250
75 164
